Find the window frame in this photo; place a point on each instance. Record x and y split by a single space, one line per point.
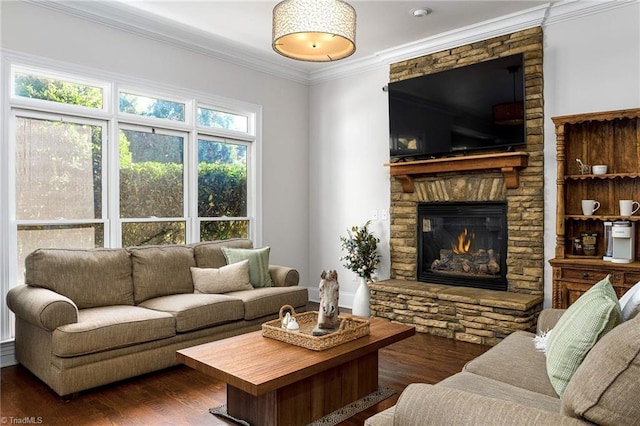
36 115
250 178
186 190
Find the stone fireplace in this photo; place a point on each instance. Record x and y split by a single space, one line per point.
514 180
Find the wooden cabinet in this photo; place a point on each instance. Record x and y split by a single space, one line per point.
611 138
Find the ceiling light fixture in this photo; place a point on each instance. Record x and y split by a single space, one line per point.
314 30
510 113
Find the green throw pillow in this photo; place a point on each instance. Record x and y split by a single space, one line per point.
258 263
588 319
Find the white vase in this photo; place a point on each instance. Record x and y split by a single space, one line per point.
361 300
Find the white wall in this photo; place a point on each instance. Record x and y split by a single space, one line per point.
591 63
349 146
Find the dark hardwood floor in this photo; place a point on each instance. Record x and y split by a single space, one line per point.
182 396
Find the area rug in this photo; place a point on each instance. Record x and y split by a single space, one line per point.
330 419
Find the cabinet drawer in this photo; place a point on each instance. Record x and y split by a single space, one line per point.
630 278
587 276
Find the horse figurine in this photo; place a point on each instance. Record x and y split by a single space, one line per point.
328 320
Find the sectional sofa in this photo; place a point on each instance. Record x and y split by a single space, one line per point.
86 318
521 381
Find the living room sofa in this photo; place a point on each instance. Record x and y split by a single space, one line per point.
86 318
509 385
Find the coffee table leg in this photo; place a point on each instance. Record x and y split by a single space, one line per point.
308 399
256 410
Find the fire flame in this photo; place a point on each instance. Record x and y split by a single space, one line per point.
464 242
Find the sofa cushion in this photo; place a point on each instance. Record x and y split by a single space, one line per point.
470 382
194 311
268 300
588 319
258 263
606 387
209 254
232 277
109 327
161 270
515 361
89 277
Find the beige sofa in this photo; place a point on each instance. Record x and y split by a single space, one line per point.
86 318
509 385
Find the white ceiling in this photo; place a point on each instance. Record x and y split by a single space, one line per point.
381 25
240 30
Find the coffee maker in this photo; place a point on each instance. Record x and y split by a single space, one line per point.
623 241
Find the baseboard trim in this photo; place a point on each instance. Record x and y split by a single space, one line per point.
7 353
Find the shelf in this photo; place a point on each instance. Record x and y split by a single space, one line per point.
594 262
509 163
606 218
607 176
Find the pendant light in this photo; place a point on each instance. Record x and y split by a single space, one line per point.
314 30
510 113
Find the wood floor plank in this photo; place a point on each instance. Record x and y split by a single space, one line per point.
183 396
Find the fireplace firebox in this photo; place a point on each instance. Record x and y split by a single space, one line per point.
463 244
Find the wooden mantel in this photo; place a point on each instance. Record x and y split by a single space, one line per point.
509 163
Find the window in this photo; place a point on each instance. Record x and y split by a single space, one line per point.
152 182
154 168
59 182
222 120
45 87
151 107
222 190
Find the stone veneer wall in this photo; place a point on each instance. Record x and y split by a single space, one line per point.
525 204
460 313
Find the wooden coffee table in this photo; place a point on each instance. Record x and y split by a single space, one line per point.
272 383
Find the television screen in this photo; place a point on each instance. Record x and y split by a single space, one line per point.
470 108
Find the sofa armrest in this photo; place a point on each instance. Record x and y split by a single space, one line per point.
283 276
42 307
548 319
421 404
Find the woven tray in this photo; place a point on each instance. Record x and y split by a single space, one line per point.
350 329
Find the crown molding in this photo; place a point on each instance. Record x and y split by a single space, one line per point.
482 31
574 9
123 17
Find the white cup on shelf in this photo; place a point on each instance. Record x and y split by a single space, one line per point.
599 169
589 207
627 207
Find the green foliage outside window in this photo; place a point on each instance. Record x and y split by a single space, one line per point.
48 89
151 107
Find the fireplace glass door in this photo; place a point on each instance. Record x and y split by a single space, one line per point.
463 244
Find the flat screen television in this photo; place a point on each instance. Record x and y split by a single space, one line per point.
472 108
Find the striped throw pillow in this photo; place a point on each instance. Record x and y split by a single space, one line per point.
588 319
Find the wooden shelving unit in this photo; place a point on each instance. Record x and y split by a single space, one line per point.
611 138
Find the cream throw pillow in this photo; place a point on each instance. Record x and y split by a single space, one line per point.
630 301
232 277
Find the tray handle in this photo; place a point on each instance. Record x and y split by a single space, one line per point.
286 308
343 324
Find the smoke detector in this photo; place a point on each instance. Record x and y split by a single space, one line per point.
420 12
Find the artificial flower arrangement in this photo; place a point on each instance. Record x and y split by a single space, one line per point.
361 248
